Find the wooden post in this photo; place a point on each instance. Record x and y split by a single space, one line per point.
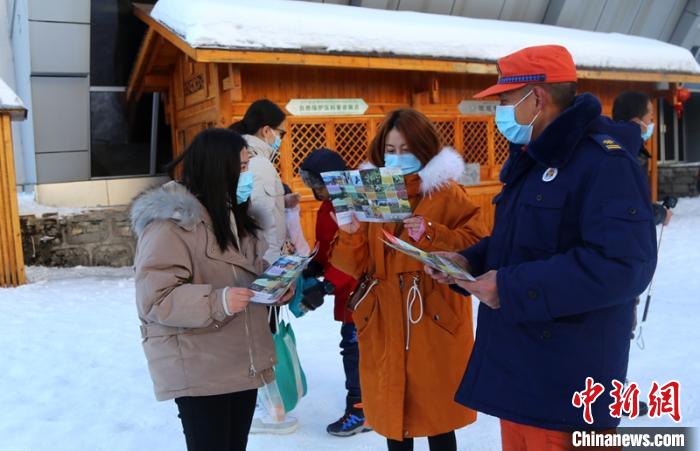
654 160
11 257
491 146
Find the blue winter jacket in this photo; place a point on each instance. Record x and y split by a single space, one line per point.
573 248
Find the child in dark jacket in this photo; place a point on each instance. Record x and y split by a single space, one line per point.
318 161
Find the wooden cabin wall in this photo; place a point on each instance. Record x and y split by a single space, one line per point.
208 95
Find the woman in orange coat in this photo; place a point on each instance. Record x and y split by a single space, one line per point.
415 335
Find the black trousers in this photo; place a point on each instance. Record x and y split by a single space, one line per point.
219 422
443 442
351 363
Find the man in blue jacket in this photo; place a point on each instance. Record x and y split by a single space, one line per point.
572 246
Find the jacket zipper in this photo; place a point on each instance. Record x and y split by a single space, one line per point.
251 371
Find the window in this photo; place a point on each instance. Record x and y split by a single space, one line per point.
124 141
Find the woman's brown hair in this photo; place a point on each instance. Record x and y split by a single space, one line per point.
420 135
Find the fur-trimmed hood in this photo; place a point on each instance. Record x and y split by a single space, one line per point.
171 201
446 166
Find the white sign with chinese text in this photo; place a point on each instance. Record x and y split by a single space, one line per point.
477 107
326 107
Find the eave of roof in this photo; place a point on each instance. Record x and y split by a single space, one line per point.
365 61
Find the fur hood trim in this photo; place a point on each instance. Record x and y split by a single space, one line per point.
171 201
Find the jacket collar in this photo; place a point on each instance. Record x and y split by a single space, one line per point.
257 146
555 146
441 170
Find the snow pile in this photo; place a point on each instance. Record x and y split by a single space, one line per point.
9 101
325 28
27 205
74 376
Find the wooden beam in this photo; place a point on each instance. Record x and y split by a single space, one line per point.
143 12
154 83
623 75
139 70
342 61
415 64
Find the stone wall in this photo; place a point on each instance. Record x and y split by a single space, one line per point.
94 238
678 180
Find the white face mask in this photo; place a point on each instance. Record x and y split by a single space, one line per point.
510 128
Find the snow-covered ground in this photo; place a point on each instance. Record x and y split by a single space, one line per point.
73 376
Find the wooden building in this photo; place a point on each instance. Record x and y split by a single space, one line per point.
212 87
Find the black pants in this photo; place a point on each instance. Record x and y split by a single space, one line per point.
217 423
351 363
443 442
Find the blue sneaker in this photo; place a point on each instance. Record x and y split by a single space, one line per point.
353 422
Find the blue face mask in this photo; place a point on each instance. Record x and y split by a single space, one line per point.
245 186
650 131
277 143
275 148
509 127
406 161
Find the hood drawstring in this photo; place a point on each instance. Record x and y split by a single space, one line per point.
413 296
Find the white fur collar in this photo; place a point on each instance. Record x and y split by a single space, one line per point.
446 166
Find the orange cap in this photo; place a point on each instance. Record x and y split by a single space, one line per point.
540 64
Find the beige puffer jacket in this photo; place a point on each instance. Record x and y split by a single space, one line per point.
192 347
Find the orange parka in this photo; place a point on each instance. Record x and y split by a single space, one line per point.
415 335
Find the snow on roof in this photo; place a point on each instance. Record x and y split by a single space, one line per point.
10 102
325 28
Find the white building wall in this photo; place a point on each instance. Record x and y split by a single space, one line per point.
7 73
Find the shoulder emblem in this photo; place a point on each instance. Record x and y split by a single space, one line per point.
608 143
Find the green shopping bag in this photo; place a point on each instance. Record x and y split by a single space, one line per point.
289 374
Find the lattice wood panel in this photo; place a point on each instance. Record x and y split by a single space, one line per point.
305 137
446 130
475 137
501 148
351 142
475 141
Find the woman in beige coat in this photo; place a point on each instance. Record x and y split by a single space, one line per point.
206 345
